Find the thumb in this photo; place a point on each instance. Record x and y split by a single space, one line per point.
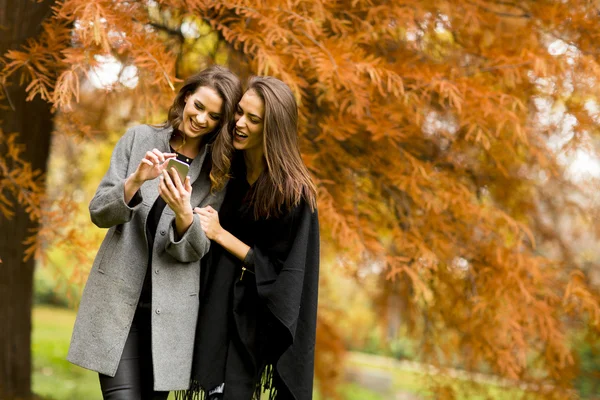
188 184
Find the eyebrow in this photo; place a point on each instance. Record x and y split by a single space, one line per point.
250 114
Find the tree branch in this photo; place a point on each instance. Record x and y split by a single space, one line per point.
525 13
172 32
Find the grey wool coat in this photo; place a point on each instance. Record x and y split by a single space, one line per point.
114 284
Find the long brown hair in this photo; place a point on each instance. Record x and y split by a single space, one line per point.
285 180
229 88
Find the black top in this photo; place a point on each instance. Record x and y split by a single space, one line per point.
259 323
151 226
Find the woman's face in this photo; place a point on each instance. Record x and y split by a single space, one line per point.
202 112
249 122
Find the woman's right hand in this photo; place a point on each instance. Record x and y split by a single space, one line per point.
209 221
152 165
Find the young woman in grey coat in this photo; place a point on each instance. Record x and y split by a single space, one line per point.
137 317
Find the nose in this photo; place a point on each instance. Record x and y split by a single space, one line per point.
240 121
201 118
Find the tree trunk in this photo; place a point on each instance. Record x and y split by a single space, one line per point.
19 20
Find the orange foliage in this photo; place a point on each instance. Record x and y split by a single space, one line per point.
431 129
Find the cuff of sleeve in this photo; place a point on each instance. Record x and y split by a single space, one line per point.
191 246
249 259
108 206
263 268
193 233
174 238
119 194
135 200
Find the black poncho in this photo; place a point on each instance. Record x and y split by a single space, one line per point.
257 331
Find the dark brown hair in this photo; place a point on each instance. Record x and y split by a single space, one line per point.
229 88
285 180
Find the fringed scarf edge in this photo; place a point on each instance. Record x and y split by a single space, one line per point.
265 385
195 392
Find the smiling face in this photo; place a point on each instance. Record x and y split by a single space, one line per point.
249 123
202 112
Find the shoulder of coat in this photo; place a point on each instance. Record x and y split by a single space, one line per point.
150 133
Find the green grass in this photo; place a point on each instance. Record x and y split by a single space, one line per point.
352 391
424 385
53 376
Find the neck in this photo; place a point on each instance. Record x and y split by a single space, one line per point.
255 164
190 148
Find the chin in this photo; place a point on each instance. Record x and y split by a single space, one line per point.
192 134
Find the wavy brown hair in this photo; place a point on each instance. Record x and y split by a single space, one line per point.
285 180
229 88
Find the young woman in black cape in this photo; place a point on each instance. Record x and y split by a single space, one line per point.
257 320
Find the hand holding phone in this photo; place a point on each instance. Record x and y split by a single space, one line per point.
181 168
177 195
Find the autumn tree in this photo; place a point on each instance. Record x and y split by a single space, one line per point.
439 133
21 186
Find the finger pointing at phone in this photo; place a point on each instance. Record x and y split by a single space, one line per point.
150 167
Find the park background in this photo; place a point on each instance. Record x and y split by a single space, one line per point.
454 145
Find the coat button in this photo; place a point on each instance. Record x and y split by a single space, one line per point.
156 271
158 310
163 232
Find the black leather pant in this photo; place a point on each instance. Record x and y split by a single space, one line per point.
134 379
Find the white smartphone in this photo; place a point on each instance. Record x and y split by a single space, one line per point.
181 168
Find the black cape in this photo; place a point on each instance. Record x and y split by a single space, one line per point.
256 332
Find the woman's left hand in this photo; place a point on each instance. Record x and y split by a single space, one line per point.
176 194
209 220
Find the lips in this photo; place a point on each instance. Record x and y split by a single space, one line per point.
240 134
194 126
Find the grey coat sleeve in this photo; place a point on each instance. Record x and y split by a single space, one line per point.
108 207
192 246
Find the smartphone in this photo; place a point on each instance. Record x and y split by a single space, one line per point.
181 168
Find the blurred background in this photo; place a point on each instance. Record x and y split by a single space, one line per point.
454 145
